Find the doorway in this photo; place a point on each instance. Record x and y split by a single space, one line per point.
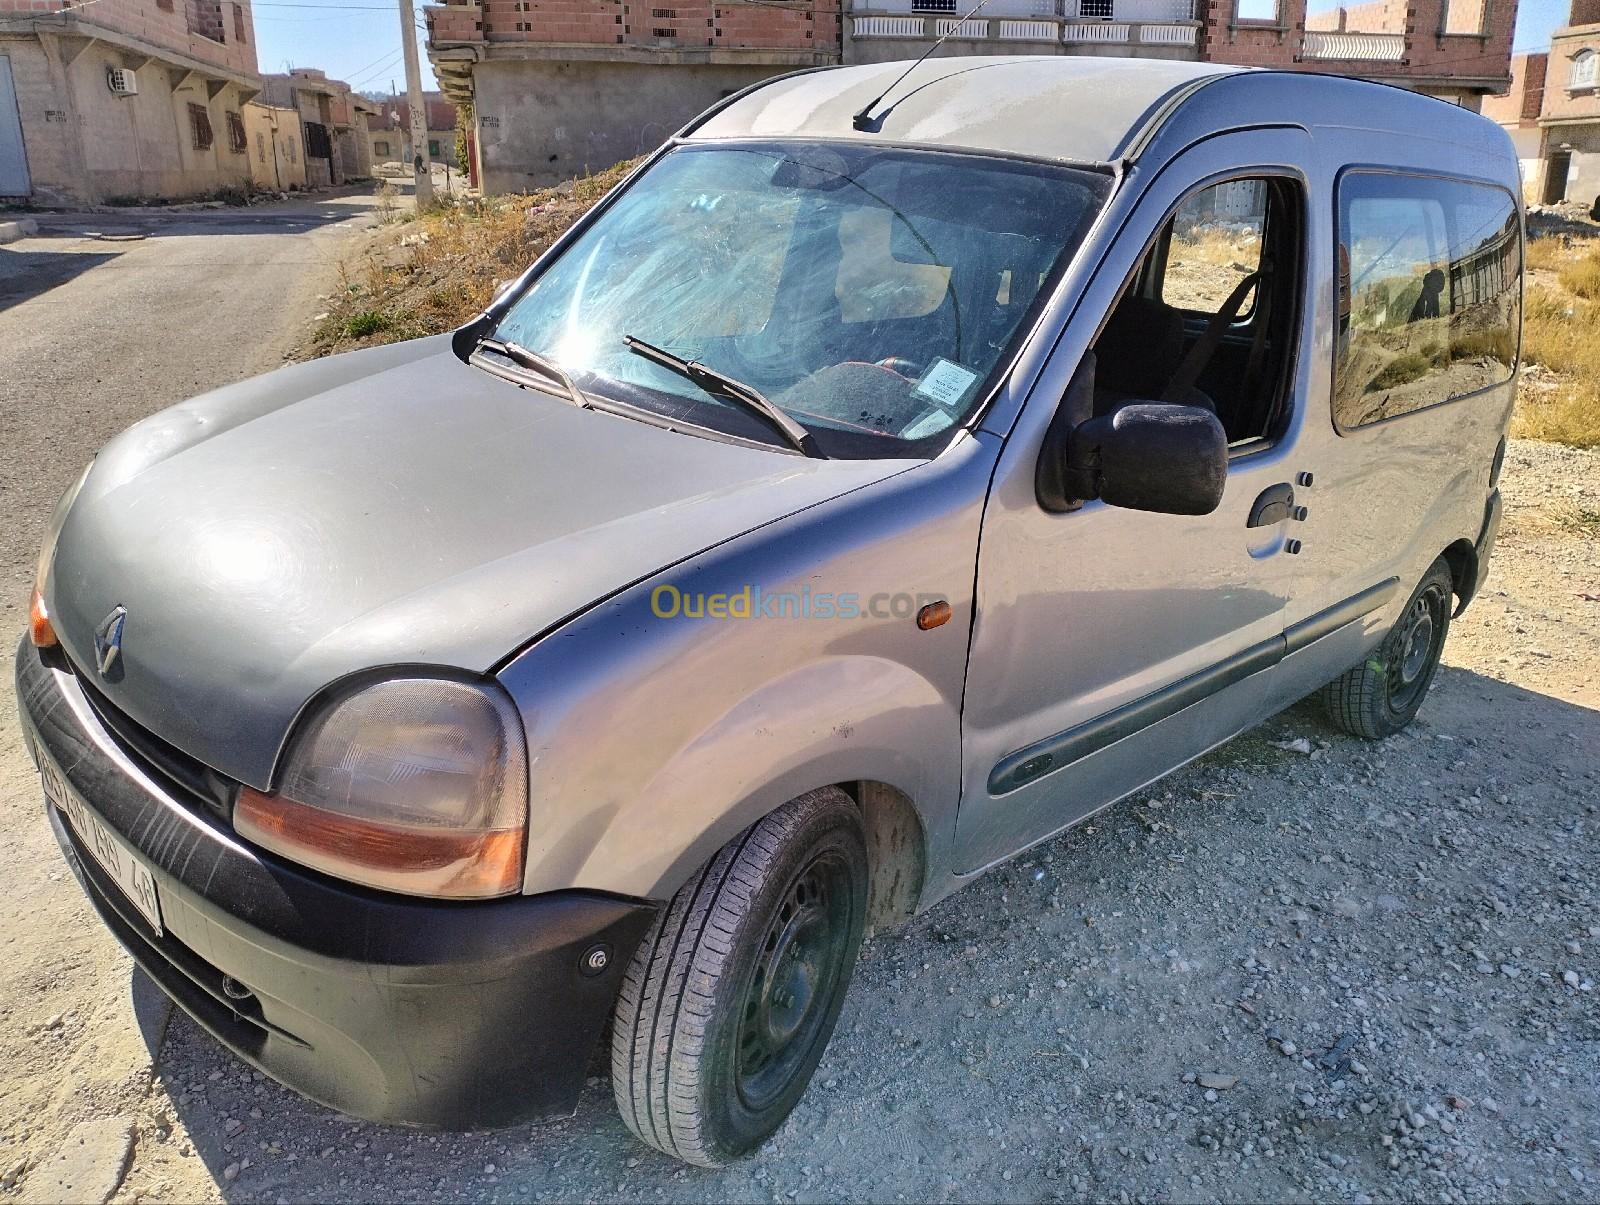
1555 176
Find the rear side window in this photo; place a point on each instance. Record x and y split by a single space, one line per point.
1430 274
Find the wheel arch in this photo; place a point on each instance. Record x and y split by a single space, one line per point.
897 831
897 851
1462 558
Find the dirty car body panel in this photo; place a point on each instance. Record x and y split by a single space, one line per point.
278 546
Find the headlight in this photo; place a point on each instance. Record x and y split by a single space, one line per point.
417 785
40 629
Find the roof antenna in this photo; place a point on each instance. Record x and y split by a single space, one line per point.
863 119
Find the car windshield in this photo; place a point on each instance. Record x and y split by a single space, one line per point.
872 294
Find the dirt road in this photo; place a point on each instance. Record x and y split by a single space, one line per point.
105 318
1358 972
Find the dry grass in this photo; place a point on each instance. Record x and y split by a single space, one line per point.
1559 398
1547 254
423 275
1583 277
1559 395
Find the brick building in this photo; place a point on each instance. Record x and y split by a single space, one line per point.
561 87
124 98
1552 112
1454 49
276 142
391 129
1570 114
1517 110
565 86
333 124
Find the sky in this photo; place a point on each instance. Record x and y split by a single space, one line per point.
358 41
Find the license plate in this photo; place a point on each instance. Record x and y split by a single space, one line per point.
113 854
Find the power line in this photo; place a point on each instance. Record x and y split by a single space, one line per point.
375 62
377 69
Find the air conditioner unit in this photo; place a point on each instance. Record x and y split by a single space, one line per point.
122 81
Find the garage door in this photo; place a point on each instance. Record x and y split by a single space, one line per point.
13 160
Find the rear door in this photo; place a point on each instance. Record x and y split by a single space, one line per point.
1425 296
1112 645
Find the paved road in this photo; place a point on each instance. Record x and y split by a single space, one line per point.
96 332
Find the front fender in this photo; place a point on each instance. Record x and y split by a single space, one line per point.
840 720
654 739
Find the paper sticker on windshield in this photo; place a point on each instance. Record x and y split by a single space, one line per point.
945 382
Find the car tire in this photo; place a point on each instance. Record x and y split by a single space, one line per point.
1381 696
731 998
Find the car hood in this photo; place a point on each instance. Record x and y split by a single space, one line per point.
385 508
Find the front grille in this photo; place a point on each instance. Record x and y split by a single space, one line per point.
193 783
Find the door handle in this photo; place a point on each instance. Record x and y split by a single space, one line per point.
1275 504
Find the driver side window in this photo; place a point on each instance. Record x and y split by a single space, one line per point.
1209 316
1214 245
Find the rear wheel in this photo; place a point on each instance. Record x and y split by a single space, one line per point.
1381 696
730 1000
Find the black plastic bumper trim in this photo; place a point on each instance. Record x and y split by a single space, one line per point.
1054 753
1483 547
456 1015
1325 623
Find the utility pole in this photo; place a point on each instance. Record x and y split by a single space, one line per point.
421 169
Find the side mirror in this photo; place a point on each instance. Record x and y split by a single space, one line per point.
1144 456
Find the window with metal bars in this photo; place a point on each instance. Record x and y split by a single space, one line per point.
1101 10
200 127
238 142
934 6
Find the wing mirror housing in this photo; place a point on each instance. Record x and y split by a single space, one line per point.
1151 456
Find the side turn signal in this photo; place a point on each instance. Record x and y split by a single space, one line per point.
40 630
934 615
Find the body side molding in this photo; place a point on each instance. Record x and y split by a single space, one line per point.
1055 752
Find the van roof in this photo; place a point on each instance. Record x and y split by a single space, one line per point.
1080 109
1048 106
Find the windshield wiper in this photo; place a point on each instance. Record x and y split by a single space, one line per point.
543 365
722 385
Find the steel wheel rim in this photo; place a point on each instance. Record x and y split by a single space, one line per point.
787 1000
1418 635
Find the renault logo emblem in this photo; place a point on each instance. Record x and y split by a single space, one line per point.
108 641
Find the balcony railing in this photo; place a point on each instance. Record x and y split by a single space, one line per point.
1128 10
1356 47
889 27
1096 31
949 27
1153 11
1027 31
1126 22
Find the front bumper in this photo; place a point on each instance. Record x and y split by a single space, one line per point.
458 1015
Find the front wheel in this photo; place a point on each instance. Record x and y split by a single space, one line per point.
1381 696
730 1000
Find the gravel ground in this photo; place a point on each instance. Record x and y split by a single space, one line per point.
1304 968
